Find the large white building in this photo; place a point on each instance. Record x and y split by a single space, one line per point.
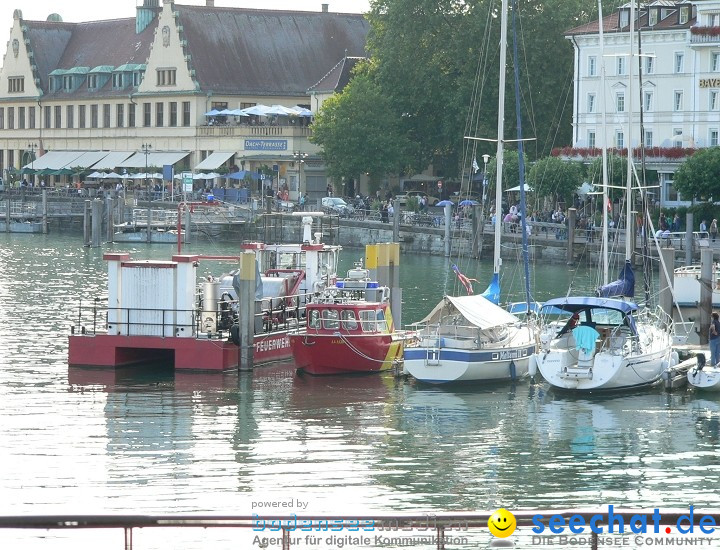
92 95
680 93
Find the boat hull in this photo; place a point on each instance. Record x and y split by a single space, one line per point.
109 350
707 379
447 365
324 354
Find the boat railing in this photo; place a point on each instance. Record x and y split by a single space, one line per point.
598 526
280 313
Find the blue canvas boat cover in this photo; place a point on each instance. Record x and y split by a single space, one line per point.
623 286
492 292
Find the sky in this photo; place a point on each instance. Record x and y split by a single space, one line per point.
93 10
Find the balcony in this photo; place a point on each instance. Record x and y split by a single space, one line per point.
704 36
246 130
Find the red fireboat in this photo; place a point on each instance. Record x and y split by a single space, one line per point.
349 329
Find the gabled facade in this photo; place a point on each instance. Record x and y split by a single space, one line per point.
116 85
680 93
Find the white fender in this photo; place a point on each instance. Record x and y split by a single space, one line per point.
532 365
674 358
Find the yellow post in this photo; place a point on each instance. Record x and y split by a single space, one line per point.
246 311
371 260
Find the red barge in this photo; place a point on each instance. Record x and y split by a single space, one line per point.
158 311
349 329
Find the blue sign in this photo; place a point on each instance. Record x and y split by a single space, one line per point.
266 145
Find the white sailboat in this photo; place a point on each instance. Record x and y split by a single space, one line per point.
470 338
606 341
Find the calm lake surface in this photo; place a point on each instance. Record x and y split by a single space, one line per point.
147 440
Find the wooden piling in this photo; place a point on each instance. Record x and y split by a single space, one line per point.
44 212
396 220
572 218
7 215
97 210
86 222
707 283
110 220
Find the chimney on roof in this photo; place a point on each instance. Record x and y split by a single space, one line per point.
325 8
210 3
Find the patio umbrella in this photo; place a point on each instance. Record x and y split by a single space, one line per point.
241 175
214 112
280 110
237 112
260 110
468 202
96 175
445 203
302 111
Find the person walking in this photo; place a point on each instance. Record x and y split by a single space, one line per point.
713 230
714 334
703 226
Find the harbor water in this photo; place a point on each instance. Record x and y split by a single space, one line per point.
148 440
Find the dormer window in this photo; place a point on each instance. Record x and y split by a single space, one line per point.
624 18
67 83
16 84
684 14
653 18
92 81
117 81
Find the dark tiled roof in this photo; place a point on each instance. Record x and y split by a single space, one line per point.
610 24
244 51
338 77
67 45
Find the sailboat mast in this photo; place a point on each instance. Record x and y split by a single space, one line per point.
605 198
521 160
629 233
500 135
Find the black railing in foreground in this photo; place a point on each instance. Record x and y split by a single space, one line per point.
444 526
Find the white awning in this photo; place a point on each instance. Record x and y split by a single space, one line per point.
478 311
111 160
88 158
54 160
139 160
214 160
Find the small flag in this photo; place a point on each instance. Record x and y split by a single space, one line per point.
475 166
466 282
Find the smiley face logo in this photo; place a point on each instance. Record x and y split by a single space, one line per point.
502 523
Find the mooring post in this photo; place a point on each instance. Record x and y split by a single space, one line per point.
97 208
148 235
394 284
689 226
44 211
87 211
110 219
666 282
448 227
383 264
371 261
572 217
707 284
246 311
187 225
7 215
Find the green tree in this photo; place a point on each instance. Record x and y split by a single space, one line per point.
617 175
697 177
359 132
551 176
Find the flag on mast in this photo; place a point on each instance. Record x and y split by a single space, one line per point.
466 281
475 166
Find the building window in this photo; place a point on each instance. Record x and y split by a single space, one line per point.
58 116
81 116
713 141
620 66
678 101
11 157
591 103
679 62
684 14
591 139
713 20
131 115
159 106
173 113
714 95
248 105
70 116
92 81
620 102
624 17
677 137
592 71
120 115
648 138
619 139
653 18
46 116
2 118
11 118
648 101
715 62
138 78
93 116
21 118
106 115
31 118
16 84
67 83
186 113
671 193
147 114
117 80
166 77
650 63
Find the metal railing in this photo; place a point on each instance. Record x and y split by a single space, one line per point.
591 527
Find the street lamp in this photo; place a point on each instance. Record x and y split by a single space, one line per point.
146 148
300 157
32 146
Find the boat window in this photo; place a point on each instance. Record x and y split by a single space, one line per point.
349 321
367 319
330 319
314 319
602 316
381 323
